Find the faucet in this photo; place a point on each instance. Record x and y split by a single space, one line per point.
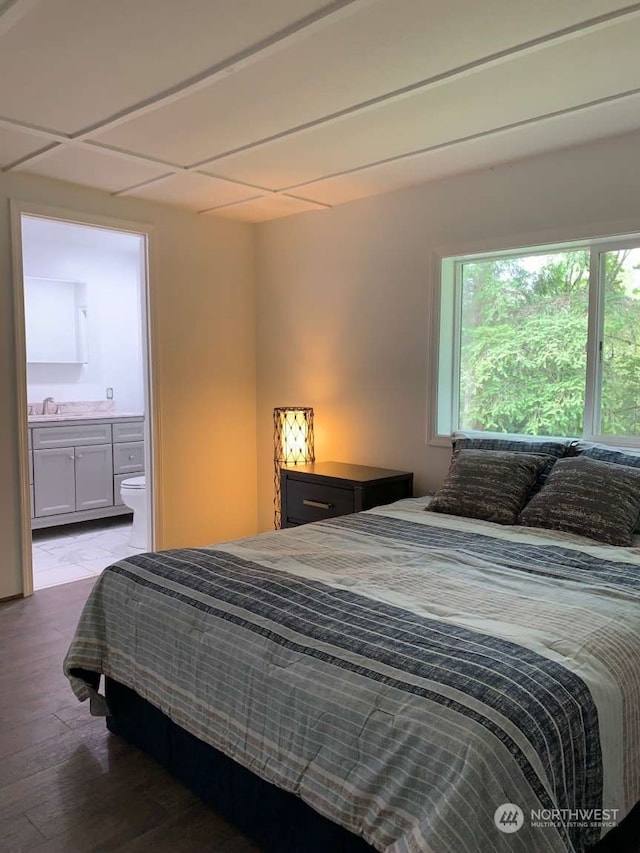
45 405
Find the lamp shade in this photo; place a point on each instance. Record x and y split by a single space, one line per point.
293 444
293 435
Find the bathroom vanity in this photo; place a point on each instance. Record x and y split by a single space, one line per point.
77 463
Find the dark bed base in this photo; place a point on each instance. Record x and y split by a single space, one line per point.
279 822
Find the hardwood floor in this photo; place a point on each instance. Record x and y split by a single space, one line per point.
66 784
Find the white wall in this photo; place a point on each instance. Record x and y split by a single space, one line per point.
343 298
112 276
342 306
202 310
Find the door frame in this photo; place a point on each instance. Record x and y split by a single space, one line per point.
149 337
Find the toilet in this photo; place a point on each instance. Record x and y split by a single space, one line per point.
134 495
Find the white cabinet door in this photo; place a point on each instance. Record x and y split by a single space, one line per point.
54 481
94 476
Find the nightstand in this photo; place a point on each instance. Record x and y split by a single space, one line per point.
328 489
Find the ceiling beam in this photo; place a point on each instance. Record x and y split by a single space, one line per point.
58 142
327 15
232 204
173 169
181 170
302 28
269 194
450 143
280 40
497 58
441 146
305 199
11 11
429 82
33 157
32 129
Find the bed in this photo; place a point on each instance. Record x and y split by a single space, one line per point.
411 681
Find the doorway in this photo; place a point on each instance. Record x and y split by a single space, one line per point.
85 383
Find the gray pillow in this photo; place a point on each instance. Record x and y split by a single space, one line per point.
596 499
489 484
604 453
554 448
550 446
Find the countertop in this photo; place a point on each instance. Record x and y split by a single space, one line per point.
66 417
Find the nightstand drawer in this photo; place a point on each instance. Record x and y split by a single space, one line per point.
329 489
315 501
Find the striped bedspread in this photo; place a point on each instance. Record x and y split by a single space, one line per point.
406 674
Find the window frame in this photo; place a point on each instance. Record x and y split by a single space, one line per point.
445 332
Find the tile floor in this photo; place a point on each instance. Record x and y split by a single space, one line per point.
76 551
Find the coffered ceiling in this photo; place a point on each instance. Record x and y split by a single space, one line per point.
256 109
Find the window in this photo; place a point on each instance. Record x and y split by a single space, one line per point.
542 342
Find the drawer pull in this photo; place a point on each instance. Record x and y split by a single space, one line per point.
317 504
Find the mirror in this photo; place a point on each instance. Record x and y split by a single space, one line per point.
56 320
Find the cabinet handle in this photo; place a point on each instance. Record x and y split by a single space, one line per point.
131 456
317 504
79 456
72 458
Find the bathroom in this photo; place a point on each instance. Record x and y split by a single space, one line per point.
86 390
